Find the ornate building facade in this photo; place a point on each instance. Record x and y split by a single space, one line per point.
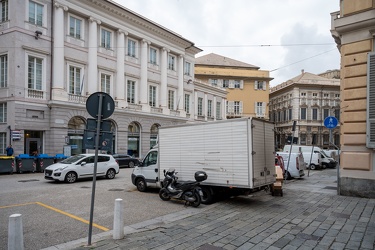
55 54
307 99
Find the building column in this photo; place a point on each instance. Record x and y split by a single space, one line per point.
92 78
180 84
144 62
205 107
224 108
195 105
214 108
58 92
120 85
163 80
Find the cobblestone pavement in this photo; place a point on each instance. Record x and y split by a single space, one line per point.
310 215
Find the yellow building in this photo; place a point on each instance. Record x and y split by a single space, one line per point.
247 86
353 28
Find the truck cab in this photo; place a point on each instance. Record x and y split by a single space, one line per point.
146 174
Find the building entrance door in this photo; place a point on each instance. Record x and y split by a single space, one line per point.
33 146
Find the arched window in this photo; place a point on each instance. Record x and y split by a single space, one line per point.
154 135
76 127
134 139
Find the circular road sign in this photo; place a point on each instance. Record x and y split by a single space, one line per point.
92 105
330 122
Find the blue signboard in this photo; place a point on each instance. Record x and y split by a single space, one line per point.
330 122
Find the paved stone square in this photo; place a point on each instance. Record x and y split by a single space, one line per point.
310 215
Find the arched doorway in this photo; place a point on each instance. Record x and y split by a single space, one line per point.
154 135
113 130
76 127
134 132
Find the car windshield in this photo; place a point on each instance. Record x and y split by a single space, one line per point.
72 159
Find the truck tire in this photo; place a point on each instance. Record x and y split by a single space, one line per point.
288 176
208 196
141 185
312 167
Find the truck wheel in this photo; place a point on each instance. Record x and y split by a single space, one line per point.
141 185
288 176
324 165
163 194
207 197
312 167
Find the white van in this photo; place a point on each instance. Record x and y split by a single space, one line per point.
296 164
321 160
315 163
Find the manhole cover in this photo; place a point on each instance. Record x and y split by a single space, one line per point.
328 187
28 180
116 189
85 187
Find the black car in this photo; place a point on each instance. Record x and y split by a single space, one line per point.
126 160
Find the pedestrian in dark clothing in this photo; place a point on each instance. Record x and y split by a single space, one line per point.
9 150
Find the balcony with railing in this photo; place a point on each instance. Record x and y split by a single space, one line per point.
36 94
77 98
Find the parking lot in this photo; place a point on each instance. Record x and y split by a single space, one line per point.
54 213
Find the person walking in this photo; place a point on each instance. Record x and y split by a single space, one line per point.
9 150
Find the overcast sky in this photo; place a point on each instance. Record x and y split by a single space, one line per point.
281 36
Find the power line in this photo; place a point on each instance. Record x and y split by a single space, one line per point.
325 52
267 45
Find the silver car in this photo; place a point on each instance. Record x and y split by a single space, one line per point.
82 166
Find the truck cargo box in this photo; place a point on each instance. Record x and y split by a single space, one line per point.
235 153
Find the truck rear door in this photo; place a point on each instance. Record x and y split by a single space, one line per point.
263 153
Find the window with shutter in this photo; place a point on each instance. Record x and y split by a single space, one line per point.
231 84
370 133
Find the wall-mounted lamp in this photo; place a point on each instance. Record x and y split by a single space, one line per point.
189 81
37 34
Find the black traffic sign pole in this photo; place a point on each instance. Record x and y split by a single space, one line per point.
99 117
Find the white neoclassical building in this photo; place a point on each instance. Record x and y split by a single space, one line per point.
55 54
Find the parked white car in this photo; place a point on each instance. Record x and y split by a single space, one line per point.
82 166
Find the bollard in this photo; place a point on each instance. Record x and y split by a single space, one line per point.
15 232
118 221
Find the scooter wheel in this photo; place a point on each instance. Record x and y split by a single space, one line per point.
163 194
197 201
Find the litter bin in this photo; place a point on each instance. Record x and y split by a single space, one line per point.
43 161
25 163
60 157
7 164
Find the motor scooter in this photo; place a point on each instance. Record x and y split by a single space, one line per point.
189 191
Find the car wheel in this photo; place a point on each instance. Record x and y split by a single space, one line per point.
111 173
131 164
71 177
312 167
141 185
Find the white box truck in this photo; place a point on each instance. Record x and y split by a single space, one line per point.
237 155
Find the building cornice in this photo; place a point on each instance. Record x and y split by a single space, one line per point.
130 17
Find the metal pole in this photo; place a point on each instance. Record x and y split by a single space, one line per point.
338 165
312 151
97 137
